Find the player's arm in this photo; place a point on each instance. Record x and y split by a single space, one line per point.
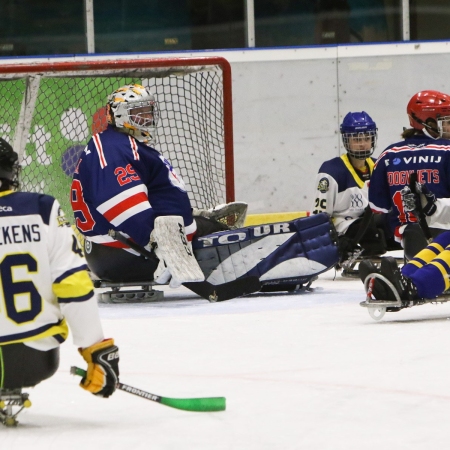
325 194
74 292
442 214
436 209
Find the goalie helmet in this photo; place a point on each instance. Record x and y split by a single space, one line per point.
9 168
429 111
134 110
359 134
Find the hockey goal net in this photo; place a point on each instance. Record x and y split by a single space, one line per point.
50 110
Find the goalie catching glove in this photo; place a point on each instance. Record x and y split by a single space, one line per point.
231 214
102 373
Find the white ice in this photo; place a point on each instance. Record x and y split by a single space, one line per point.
304 371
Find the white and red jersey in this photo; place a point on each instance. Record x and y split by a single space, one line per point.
122 184
44 283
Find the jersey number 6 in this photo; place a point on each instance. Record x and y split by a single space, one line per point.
14 290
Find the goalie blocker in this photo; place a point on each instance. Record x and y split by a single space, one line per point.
245 260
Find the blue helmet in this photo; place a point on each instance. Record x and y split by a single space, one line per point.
363 130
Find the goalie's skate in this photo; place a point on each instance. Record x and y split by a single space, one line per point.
9 400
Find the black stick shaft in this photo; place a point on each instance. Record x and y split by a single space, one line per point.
118 236
419 211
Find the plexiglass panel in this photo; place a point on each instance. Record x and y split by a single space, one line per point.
41 27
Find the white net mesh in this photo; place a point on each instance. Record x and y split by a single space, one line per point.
49 116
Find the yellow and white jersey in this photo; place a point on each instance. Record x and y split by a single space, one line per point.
44 284
340 192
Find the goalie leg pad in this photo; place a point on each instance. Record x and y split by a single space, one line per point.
293 251
175 250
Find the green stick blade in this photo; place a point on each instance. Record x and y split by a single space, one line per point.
196 404
204 404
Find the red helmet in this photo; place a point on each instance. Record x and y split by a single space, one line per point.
427 105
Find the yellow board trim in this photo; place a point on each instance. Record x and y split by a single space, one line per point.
259 219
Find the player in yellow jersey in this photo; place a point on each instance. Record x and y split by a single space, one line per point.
44 289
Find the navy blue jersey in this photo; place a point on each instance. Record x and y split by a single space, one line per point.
122 184
427 157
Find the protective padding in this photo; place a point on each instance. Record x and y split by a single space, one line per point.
175 250
293 251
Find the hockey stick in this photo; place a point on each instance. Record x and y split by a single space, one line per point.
419 210
363 226
226 291
204 289
204 404
118 236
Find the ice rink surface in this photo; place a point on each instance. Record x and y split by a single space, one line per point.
304 371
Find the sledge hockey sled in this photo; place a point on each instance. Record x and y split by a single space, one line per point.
350 266
146 293
208 291
117 294
9 399
378 308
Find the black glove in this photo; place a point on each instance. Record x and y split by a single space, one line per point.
429 207
346 247
345 244
103 368
411 199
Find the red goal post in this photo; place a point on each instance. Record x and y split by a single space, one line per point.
51 109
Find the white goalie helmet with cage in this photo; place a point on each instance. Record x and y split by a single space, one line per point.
133 109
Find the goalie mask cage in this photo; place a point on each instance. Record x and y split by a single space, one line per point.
50 111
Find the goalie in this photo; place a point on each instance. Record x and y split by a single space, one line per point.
122 183
122 186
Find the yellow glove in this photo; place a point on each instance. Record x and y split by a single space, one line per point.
102 373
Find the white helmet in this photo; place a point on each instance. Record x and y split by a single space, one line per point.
133 108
